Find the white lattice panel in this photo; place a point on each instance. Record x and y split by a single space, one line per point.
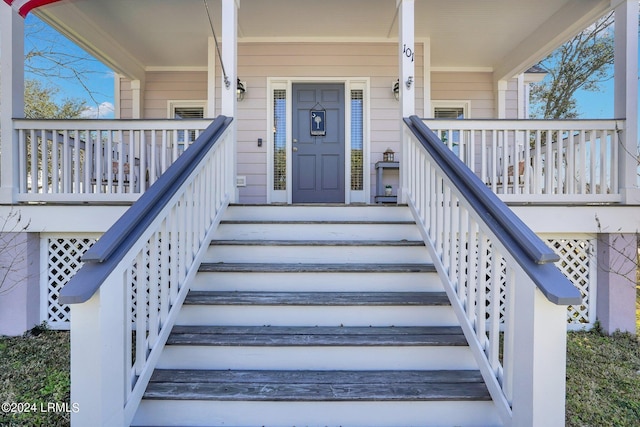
62 262
577 262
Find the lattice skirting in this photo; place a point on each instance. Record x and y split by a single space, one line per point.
63 253
578 263
60 260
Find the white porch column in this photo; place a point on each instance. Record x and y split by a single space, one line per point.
12 98
229 99
426 63
137 89
211 77
501 98
626 95
406 55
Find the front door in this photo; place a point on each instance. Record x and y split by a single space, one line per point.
318 143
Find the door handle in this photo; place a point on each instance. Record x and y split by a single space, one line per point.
295 148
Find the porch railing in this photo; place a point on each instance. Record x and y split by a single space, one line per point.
478 244
127 295
539 160
97 160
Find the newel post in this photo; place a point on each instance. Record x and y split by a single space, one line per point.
535 343
98 373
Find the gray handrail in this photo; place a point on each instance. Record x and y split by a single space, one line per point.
533 255
107 252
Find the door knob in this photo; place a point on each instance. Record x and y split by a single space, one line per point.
295 148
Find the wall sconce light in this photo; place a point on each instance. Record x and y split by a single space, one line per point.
409 82
388 156
240 90
396 90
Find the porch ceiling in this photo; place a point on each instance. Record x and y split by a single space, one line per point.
503 35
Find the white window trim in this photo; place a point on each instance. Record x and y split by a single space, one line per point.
173 104
286 83
464 104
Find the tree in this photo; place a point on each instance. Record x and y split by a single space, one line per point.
39 103
51 59
581 63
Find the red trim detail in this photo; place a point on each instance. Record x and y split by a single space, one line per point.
28 6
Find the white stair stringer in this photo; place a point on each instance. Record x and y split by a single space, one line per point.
317 316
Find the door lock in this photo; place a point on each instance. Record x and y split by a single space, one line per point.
295 148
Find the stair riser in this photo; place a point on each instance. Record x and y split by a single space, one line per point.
318 213
316 316
318 282
316 414
317 254
316 358
252 231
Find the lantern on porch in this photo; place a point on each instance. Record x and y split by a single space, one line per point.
388 155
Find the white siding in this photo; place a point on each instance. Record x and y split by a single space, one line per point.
257 62
476 87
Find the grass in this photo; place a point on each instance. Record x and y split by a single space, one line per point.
603 378
34 379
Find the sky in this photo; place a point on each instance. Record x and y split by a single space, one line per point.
99 78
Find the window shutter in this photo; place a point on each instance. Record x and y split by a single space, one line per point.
449 113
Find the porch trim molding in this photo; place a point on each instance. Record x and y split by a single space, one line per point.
350 83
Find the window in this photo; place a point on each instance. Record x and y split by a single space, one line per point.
279 139
357 140
186 110
448 113
451 110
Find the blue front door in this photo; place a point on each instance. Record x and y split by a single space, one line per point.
318 143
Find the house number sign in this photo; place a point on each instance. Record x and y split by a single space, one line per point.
408 52
318 122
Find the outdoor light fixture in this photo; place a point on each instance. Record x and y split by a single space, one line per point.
409 82
388 155
240 90
396 90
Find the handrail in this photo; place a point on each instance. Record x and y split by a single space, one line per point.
106 253
526 247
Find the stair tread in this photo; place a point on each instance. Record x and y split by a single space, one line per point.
316 267
250 242
316 385
317 298
316 222
293 336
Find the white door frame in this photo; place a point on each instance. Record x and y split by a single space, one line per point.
350 83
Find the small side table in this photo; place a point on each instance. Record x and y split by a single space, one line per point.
380 168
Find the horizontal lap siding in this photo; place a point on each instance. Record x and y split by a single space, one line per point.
476 87
479 89
259 61
164 86
126 99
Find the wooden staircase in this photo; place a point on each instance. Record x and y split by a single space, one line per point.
317 316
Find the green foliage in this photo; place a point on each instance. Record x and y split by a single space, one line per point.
39 103
603 380
34 372
581 63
